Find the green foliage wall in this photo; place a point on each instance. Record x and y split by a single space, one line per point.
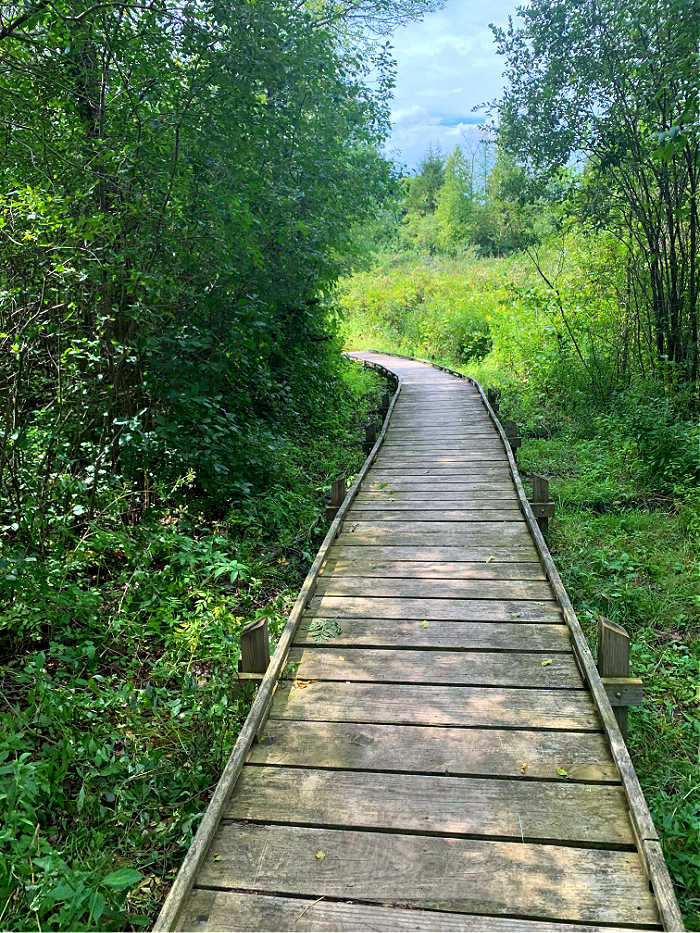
173 202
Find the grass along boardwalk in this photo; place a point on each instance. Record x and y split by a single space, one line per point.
432 747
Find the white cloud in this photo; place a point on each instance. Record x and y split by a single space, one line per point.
447 66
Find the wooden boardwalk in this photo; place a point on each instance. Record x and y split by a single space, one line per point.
438 752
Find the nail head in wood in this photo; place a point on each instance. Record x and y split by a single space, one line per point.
255 648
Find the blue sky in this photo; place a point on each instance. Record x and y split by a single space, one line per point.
447 64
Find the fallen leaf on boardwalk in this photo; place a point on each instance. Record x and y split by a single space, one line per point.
320 855
545 663
424 624
523 767
562 772
217 858
490 558
302 684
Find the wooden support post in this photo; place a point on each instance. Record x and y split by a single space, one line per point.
513 435
493 395
255 649
542 505
336 499
614 669
384 404
370 436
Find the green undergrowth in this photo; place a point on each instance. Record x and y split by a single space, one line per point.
120 639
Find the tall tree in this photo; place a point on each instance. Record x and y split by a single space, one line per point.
618 84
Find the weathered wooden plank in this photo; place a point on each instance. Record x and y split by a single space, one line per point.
437 570
469 610
486 668
505 529
522 754
413 633
424 445
483 470
527 811
456 484
502 707
468 551
399 463
223 911
428 450
456 489
337 585
395 502
470 875
436 514
431 437
430 533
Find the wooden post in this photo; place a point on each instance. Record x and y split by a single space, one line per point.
614 669
384 404
513 435
336 500
492 396
542 505
370 436
255 648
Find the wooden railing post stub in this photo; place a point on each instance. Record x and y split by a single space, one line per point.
370 436
614 663
255 648
336 498
542 505
493 395
513 434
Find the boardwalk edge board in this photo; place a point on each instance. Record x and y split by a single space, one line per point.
645 831
174 902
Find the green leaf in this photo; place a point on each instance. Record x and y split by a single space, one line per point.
122 878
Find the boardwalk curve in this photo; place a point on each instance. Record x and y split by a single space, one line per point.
437 752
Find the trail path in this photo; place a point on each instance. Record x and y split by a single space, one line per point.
433 758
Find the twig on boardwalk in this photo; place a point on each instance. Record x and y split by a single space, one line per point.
308 907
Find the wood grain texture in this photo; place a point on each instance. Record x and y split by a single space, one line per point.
337 585
449 486
437 750
432 533
486 552
468 610
440 514
414 633
501 707
432 570
213 911
468 875
463 668
411 503
525 811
